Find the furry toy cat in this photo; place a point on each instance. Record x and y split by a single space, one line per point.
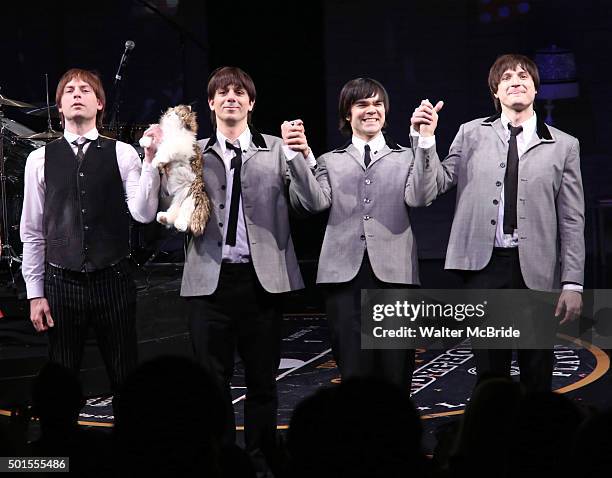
180 158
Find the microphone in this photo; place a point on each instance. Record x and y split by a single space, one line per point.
129 46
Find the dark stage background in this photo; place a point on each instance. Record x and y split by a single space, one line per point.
300 54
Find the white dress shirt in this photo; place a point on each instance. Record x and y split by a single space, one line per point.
140 184
240 252
522 141
375 144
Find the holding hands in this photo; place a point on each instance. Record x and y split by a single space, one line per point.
294 136
425 118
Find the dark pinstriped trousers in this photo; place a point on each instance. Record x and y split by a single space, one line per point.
103 299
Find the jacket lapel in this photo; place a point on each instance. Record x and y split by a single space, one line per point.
543 135
213 145
258 143
353 153
389 147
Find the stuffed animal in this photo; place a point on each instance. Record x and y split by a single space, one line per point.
180 159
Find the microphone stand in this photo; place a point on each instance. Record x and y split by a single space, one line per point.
114 121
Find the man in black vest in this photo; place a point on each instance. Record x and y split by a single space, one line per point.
79 193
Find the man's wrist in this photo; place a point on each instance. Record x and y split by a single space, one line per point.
573 286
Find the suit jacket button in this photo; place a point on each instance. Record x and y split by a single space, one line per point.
223 187
498 183
220 224
495 201
368 181
221 206
502 165
493 222
362 237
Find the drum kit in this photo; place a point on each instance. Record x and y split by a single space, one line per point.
16 142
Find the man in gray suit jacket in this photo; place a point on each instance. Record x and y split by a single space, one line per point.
368 241
519 218
235 272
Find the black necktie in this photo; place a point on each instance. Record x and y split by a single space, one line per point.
232 224
511 181
366 155
80 153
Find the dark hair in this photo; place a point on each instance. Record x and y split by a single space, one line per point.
92 79
355 90
510 62
226 76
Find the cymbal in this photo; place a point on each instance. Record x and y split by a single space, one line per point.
46 135
43 111
4 101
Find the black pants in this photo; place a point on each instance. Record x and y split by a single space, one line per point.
240 315
504 272
343 304
103 299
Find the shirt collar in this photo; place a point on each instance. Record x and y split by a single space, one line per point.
529 126
91 135
244 139
376 144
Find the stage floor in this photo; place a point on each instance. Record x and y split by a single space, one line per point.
442 382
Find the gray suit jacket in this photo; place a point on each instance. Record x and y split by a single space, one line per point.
266 212
550 208
369 208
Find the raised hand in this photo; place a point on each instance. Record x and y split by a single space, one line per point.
294 136
424 119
